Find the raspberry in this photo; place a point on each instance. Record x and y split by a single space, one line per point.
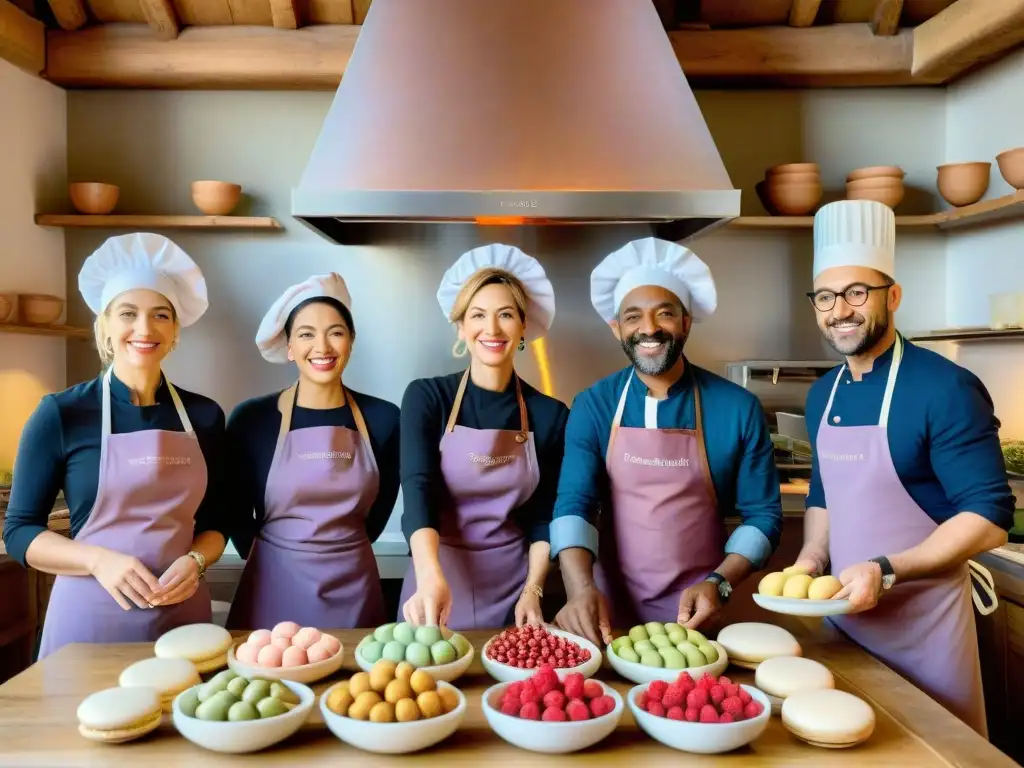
706 682
529 694
577 710
574 685
675 713
656 689
731 689
723 680
673 697
641 701
655 708
708 714
685 680
530 711
732 705
697 698
602 705
717 694
510 708
725 717
745 697
753 709
515 688
691 714
592 689
554 714
554 700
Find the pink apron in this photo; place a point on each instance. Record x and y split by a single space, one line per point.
662 531
312 562
150 485
925 629
483 552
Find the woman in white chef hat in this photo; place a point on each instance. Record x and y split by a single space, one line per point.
316 467
135 456
481 453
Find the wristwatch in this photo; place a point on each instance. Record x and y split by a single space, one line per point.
888 574
200 561
724 587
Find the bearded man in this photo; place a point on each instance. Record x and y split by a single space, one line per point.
656 456
908 479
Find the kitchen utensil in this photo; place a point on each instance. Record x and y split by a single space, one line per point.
963 183
93 197
215 198
1011 166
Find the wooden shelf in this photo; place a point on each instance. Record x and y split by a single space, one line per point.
47 330
128 221
968 334
978 213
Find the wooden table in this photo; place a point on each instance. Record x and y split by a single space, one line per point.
38 726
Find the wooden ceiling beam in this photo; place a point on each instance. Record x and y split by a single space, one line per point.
803 12
966 34
70 14
162 18
22 39
285 14
886 20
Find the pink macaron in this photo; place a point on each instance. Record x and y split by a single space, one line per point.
270 656
247 653
294 657
260 638
331 642
286 629
281 642
306 637
318 652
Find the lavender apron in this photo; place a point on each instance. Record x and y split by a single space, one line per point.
925 629
483 552
312 562
150 485
662 531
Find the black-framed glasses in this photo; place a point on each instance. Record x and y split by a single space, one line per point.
855 295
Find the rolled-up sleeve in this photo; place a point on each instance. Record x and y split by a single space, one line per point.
574 518
758 497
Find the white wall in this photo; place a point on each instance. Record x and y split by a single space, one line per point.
33 160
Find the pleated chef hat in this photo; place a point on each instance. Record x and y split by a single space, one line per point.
651 261
270 338
144 260
540 294
855 233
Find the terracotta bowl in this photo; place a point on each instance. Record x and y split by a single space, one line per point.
1011 166
8 305
963 183
93 197
40 308
793 168
887 195
794 199
799 177
879 182
876 171
216 198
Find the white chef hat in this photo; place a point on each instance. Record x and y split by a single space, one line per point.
270 338
540 294
651 261
144 260
855 233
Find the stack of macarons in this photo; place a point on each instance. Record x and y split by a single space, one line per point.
287 645
828 718
750 643
782 676
117 715
169 676
205 645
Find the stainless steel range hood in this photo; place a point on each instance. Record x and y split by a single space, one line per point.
514 112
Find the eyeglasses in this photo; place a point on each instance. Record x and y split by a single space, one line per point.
855 295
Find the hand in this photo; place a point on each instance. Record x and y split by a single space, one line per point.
810 566
528 609
179 582
698 603
124 576
586 614
431 605
862 586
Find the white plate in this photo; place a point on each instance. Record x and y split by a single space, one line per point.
638 673
794 607
440 672
307 673
506 674
553 738
394 738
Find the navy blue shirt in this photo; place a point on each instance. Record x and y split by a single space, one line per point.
59 450
943 433
736 438
252 437
426 405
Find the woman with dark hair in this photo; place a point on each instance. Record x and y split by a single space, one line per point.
316 474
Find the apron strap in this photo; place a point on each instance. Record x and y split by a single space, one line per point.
890 385
106 425
286 404
524 424
982 582
182 413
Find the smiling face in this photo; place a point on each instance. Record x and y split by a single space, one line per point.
139 329
492 325
320 342
850 329
652 327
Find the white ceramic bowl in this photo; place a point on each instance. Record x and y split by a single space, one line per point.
506 674
394 738
638 673
445 672
245 735
702 738
307 673
553 738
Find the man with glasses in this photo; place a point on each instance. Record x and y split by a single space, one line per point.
908 480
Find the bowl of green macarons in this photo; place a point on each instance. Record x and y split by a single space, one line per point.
235 714
443 654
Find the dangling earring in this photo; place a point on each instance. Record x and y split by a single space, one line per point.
522 344
459 349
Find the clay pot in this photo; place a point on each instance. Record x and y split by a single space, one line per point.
40 308
93 197
797 177
963 183
216 198
787 168
876 171
795 199
1011 166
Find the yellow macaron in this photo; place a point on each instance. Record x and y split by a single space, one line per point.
205 645
168 676
116 715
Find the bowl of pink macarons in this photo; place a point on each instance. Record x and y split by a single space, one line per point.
287 652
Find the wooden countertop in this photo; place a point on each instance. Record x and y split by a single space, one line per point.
38 725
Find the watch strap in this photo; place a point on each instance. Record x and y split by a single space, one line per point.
724 587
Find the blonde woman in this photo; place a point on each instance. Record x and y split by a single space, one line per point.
480 455
135 457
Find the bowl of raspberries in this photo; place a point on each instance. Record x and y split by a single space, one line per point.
547 714
518 652
708 715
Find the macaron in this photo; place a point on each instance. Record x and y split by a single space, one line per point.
828 718
749 643
168 676
116 715
205 645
